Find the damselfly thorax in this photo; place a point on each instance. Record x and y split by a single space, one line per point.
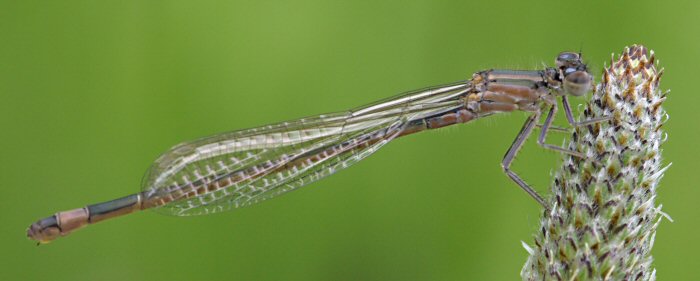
240 168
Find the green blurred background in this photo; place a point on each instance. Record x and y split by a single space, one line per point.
93 91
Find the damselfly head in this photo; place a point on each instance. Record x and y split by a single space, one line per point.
578 83
574 73
568 60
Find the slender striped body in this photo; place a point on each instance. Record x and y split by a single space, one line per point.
240 168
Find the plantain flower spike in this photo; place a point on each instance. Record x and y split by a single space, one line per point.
603 217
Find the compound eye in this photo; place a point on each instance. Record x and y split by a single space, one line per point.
578 83
566 58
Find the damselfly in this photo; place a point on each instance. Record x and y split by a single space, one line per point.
240 168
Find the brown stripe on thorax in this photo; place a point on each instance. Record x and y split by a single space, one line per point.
517 92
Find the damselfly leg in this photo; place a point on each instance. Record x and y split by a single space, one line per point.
525 132
545 129
556 129
570 115
541 140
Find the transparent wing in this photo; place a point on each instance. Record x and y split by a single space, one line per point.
240 168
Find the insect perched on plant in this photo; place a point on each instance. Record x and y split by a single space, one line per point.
240 168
